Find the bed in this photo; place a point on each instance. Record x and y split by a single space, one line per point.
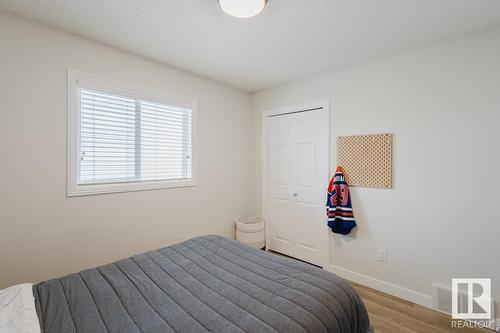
208 283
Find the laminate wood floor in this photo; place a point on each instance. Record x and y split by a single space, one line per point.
389 314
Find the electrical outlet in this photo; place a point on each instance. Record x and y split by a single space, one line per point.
382 255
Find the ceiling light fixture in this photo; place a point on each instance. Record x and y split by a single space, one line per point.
242 8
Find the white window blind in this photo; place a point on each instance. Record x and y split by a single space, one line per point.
126 140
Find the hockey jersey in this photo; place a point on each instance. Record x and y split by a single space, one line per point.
338 205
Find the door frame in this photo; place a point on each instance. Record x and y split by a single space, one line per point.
323 104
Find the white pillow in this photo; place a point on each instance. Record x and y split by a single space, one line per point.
17 310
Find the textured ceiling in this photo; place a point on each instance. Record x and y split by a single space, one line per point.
291 39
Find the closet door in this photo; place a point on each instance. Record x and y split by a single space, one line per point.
281 188
297 181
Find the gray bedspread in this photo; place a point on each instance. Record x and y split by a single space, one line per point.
204 284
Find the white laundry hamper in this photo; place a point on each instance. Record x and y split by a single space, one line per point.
251 231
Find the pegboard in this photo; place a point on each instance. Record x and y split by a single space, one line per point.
366 159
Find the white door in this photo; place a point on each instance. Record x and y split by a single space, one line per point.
297 181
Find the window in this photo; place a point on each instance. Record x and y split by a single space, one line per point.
126 138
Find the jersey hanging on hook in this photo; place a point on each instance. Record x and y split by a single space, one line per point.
338 205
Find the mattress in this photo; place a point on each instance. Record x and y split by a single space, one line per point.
205 284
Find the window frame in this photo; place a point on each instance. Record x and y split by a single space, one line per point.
76 80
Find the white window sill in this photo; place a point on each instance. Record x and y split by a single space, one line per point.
92 189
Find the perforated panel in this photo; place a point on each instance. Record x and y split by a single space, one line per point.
366 159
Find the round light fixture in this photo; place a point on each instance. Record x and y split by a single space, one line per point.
242 8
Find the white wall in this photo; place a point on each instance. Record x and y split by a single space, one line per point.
442 219
43 234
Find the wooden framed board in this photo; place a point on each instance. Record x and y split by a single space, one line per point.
366 159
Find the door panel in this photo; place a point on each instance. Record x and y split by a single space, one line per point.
283 209
310 138
297 181
306 161
280 184
280 166
305 213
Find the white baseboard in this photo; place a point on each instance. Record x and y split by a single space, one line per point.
386 287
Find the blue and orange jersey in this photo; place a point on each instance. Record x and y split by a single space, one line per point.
338 205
